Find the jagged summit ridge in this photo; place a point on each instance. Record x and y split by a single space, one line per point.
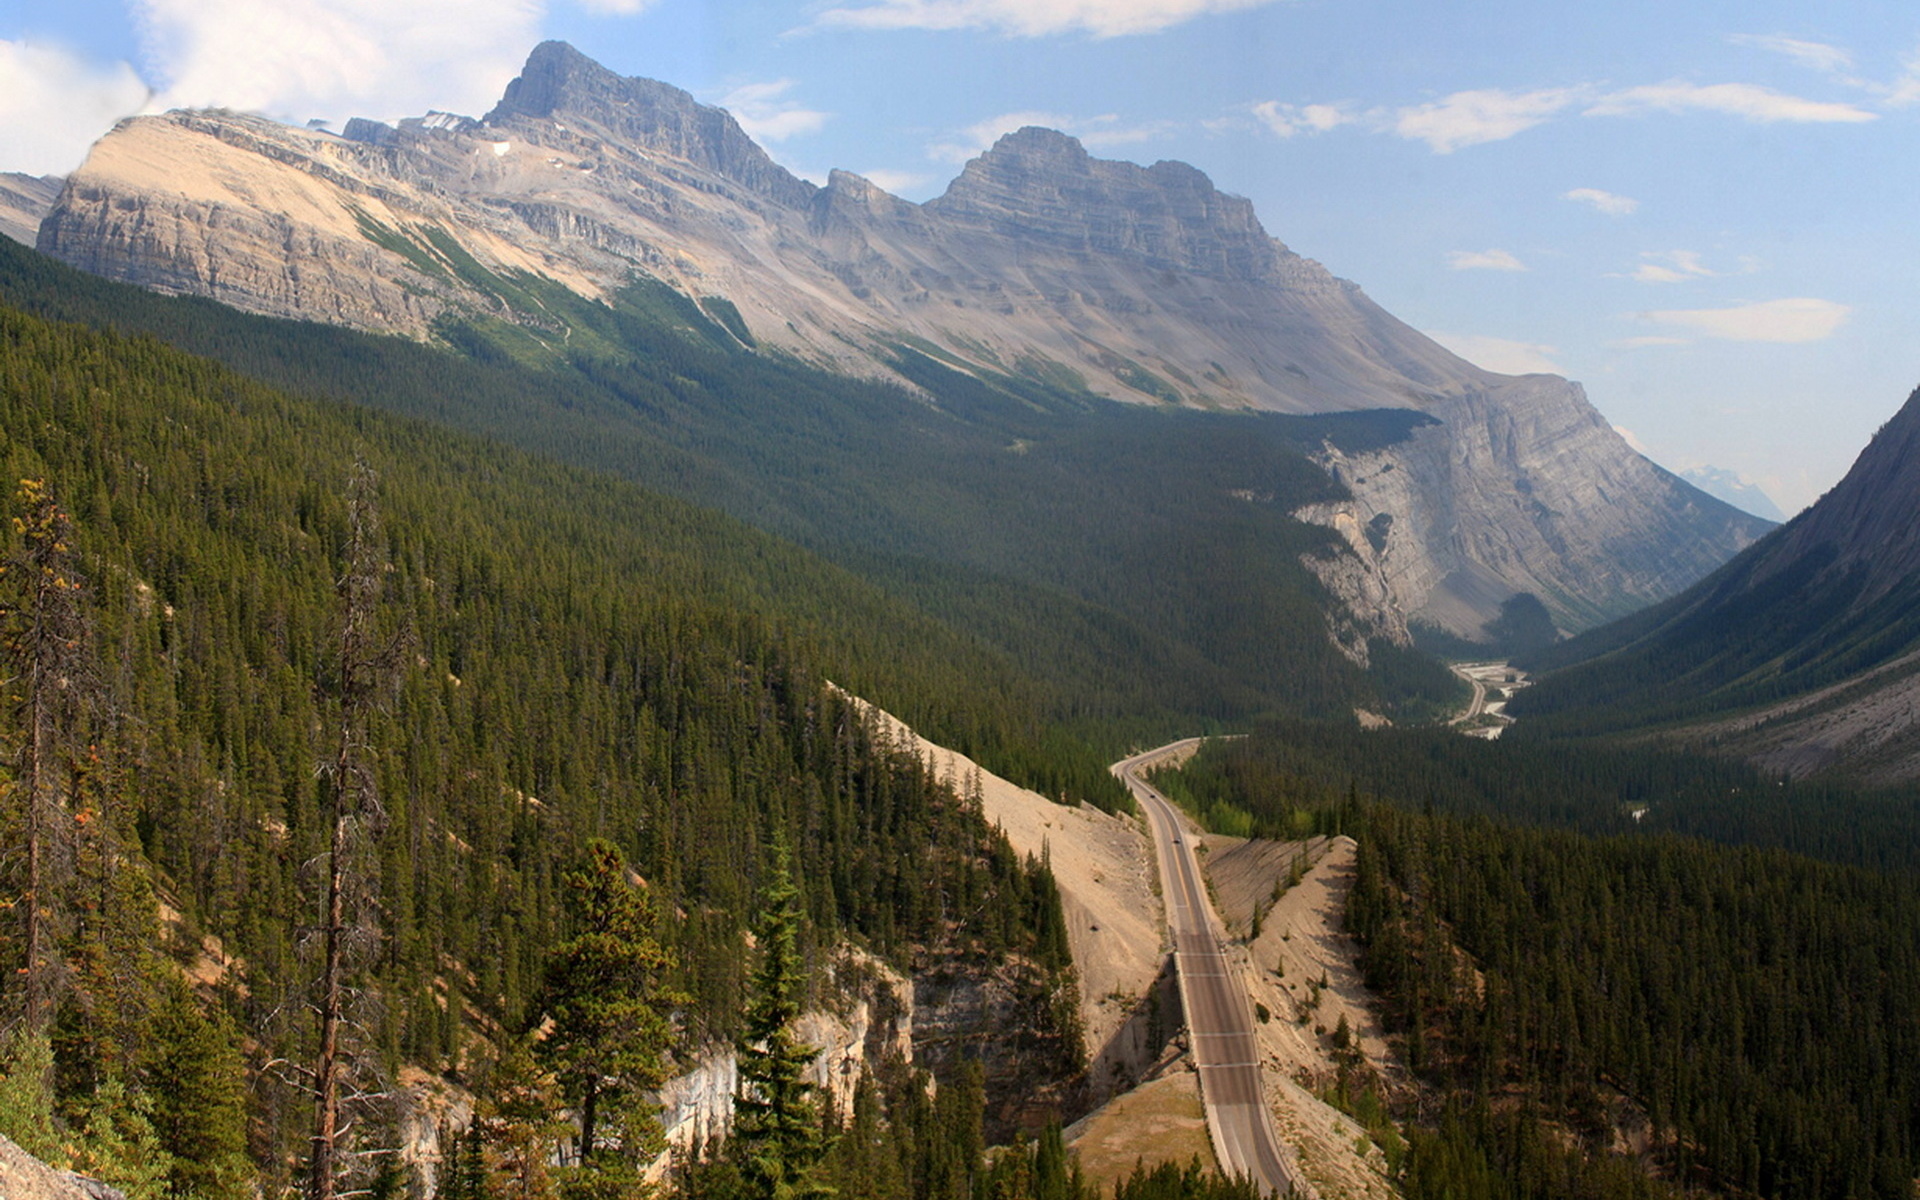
1041 184
561 84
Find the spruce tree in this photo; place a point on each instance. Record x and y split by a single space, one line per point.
609 1032
776 1124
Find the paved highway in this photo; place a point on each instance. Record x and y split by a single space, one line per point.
1219 1019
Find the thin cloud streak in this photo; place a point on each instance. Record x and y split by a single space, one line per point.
1818 55
1747 100
1031 18
1475 117
1484 260
1502 356
1785 322
1604 202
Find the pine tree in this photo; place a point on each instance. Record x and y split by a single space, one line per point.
776 1124
47 646
609 1032
195 1076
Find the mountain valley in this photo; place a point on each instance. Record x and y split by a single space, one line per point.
610 652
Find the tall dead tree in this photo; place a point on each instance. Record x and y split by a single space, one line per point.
364 662
46 644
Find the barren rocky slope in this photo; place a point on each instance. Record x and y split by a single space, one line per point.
1040 261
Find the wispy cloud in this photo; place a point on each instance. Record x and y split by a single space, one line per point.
1905 90
1629 437
1286 120
1792 321
54 105
768 115
1484 260
1476 117
1501 355
1606 202
1641 343
1746 100
1671 266
898 182
1818 55
1031 18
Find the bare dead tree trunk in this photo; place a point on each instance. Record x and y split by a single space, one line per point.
355 804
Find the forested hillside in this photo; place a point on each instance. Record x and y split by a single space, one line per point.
1140 560
562 657
1621 1014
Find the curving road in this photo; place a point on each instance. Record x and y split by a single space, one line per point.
1219 1020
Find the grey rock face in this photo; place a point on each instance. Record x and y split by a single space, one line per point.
24 1177
24 201
1139 283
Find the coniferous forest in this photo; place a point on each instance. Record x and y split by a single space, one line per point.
379 714
344 705
1598 1007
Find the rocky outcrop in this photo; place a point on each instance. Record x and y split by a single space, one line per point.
24 1177
1522 487
1144 284
25 201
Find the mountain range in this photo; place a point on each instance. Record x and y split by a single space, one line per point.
1040 266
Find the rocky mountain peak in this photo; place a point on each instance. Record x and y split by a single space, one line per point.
1042 184
559 84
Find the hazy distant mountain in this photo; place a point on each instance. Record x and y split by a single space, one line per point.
1039 263
1731 487
1802 653
24 201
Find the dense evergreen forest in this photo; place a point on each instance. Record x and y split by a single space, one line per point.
244 682
1739 1018
1140 560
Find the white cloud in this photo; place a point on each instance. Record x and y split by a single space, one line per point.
1641 343
1906 89
1748 100
1471 118
54 105
1796 320
1501 355
1286 120
337 58
1671 266
764 111
1032 18
1093 132
897 182
1818 55
1484 260
1627 436
616 8
1606 202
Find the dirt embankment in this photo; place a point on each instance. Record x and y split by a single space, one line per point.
1303 970
1103 865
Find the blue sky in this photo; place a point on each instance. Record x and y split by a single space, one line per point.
1703 211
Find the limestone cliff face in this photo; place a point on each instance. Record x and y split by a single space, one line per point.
1144 284
1519 488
